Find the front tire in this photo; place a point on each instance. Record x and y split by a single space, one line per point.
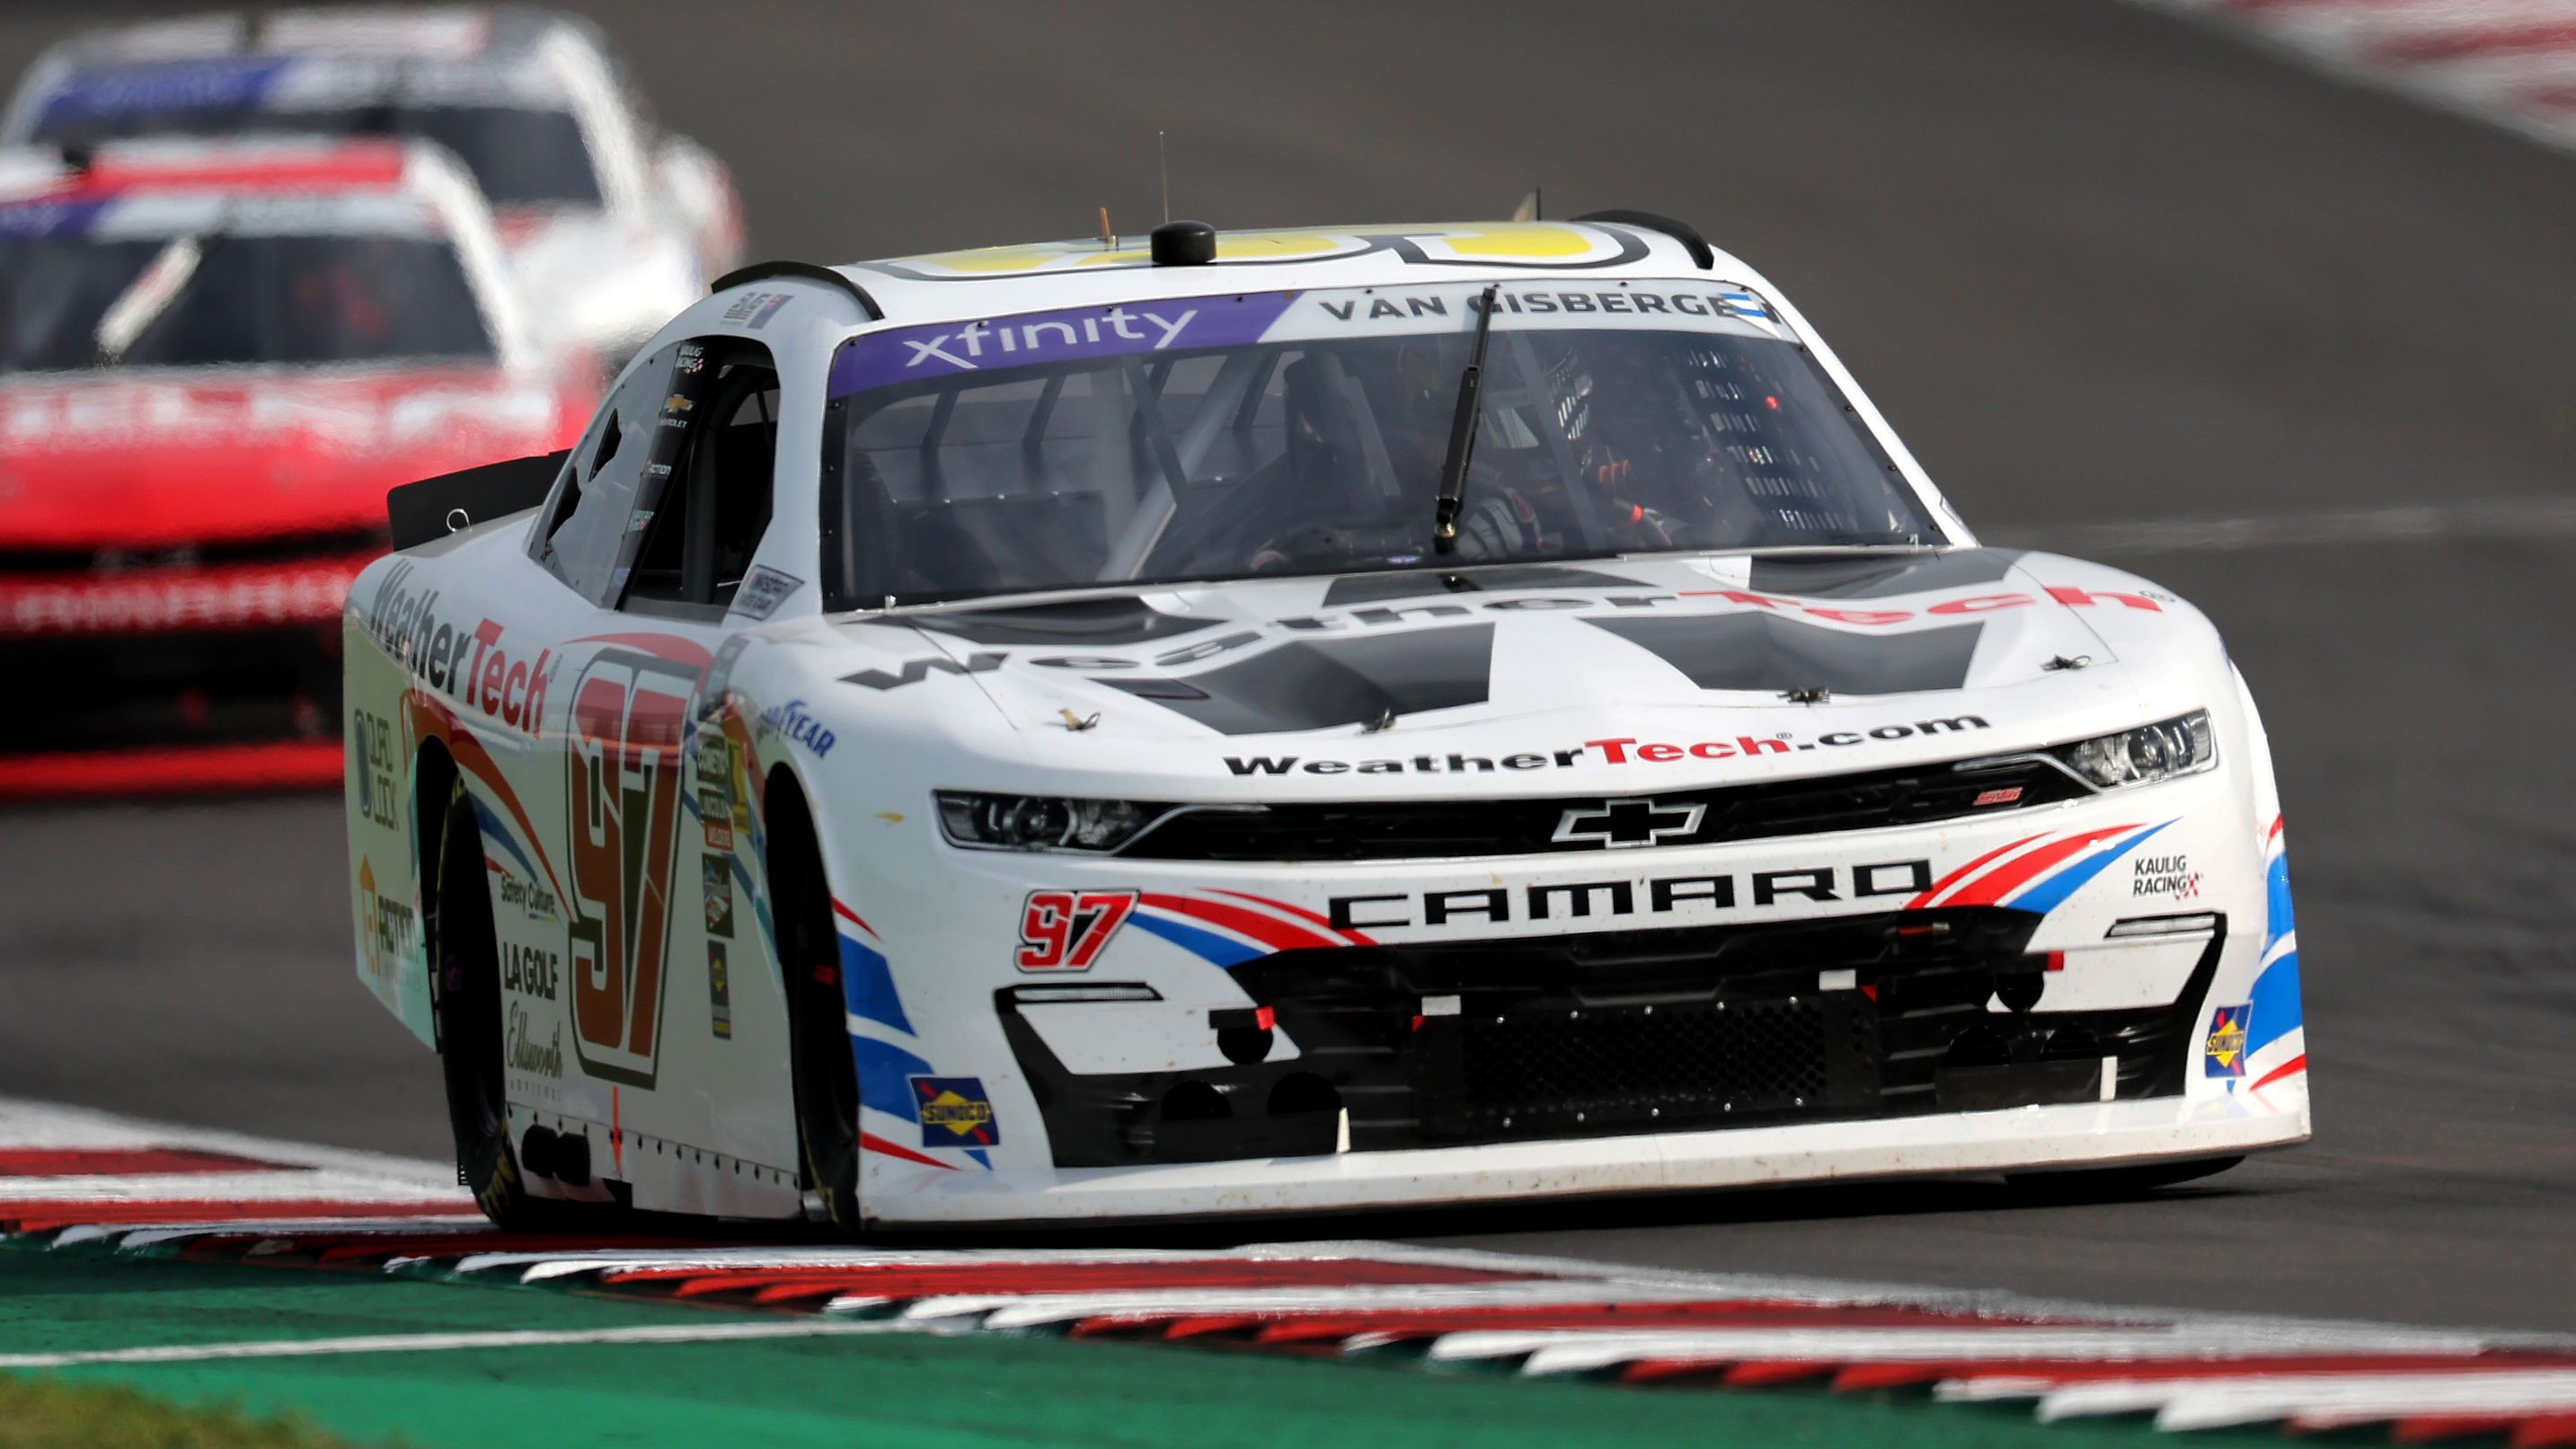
465 1004
824 1074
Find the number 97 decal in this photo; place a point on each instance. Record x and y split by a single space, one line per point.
1067 930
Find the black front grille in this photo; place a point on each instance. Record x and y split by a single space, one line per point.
125 691
1617 1066
1444 829
1672 1029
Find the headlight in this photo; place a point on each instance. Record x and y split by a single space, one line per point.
1040 822
2146 754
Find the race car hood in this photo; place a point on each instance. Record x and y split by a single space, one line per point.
1708 667
105 461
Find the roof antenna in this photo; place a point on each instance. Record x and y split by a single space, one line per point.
1528 210
1108 238
1163 165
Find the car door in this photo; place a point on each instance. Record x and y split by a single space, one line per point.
646 545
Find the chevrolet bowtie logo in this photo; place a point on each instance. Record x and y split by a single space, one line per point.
1616 824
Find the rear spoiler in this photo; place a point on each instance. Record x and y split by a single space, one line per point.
433 508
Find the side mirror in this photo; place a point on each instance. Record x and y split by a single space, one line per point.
699 193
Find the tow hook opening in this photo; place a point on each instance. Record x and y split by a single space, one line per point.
1244 1033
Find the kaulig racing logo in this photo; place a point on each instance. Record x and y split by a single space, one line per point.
2170 876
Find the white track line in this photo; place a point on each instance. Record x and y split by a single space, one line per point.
2503 518
1040 1310
1586 1351
539 1267
130 1235
2222 1402
292 1184
436 1342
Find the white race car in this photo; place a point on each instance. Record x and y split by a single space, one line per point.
610 227
1301 720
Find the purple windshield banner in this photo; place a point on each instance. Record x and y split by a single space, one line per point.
49 218
1035 339
223 83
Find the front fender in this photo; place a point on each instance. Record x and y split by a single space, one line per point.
2276 1039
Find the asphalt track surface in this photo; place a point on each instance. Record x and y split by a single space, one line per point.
2098 265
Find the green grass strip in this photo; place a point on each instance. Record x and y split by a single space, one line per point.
39 1414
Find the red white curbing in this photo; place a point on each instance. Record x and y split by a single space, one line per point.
2512 62
145 1189
68 1167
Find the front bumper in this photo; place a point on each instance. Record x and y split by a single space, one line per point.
1952 997
174 679
2022 1139
1546 1038
171 770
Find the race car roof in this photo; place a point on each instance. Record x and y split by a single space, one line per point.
300 60
949 285
452 32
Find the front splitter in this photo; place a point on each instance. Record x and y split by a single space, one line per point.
899 1192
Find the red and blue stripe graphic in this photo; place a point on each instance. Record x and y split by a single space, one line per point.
885 1067
2035 873
1228 928
2276 1036
514 832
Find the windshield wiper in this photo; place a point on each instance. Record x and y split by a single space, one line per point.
1462 435
144 299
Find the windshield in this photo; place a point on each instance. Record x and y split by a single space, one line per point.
69 301
1226 437
520 156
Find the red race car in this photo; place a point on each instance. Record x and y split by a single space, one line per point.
215 358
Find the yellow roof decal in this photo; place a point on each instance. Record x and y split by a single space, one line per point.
1524 244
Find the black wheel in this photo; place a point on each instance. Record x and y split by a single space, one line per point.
818 1034
465 1004
2111 1184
